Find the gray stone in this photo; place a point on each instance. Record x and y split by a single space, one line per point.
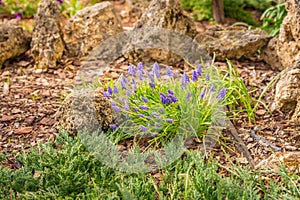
164 14
47 45
283 51
84 110
287 94
233 42
13 41
89 27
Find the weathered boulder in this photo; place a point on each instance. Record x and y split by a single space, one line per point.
89 27
287 94
13 41
136 7
82 110
233 42
47 45
283 51
164 14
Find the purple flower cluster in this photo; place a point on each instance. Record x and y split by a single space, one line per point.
168 98
140 107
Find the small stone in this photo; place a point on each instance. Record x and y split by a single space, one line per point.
13 41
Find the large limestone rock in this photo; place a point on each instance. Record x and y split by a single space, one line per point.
164 14
287 97
82 110
47 43
13 41
136 7
89 27
232 42
284 51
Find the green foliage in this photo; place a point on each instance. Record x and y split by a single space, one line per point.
202 10
69 172
165 107
27 8
273 17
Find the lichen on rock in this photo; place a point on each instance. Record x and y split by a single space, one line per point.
47 43
84 110
13 41
89 27
283 51
164 14
233 42
287 94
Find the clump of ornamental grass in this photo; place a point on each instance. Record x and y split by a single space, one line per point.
154 104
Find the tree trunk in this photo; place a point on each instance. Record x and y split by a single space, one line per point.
218 11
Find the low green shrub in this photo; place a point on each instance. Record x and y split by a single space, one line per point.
64 170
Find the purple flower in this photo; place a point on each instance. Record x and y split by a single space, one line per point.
141 115
153 134
143 128
109 90
141 75
202 94
59 1
145 99
123 82
212 88
140 66
155 70
152 85
147 117
113 126
117 109
126 105
163 98
188 96
106 94
194 76
172 99
156 115
133 85
169 72
199 70
170 92
1 3
185 79
116 91
170 121
222 94
207 78
143 107
157 125
131 70
18 16
134 109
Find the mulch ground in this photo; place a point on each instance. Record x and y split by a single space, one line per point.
29 99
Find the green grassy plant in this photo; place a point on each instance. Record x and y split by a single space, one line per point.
69 172
273 17
149 104
27 8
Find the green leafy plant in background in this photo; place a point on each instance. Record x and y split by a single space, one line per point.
202 10
27 8
273 17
